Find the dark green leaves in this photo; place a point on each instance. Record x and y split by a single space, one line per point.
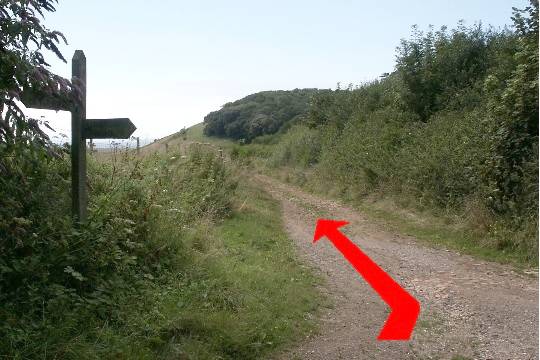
258 114
23 40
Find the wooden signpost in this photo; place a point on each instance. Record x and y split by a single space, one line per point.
81 129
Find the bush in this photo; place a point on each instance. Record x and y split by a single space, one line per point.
300 146
56 279
442 161
454 128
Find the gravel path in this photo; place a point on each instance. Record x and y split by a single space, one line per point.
470 308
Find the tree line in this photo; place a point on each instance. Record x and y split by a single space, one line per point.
258 114
454 126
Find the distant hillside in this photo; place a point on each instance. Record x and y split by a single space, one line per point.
258 114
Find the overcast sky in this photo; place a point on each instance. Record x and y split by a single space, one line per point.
166 64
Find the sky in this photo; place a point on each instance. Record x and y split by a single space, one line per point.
166 64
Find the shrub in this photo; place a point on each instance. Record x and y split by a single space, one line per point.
56 278
300 146
454 127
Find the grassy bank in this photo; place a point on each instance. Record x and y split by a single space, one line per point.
177 260
241 294
402 215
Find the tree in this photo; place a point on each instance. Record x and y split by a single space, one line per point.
258 114
23 42
435 67
514 110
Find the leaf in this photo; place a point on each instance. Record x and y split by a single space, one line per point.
77 275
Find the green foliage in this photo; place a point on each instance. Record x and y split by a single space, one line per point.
454 128
258 114
300 146
162 269
513 111
23 40
232 302
57 279
203 175
442 161
439 70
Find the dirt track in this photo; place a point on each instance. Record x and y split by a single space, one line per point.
469 308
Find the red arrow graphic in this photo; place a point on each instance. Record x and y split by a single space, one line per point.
404 308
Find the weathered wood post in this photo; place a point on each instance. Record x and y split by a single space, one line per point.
79 197
81 128
166 147
138 146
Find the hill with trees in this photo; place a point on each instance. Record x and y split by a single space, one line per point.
453 128
263 113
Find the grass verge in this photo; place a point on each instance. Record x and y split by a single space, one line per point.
448 232
439 232
243 294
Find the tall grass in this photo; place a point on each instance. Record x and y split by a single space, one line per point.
163 268
59 281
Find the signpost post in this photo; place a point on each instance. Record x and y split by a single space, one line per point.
81 129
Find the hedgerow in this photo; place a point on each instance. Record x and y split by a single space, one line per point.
57 278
